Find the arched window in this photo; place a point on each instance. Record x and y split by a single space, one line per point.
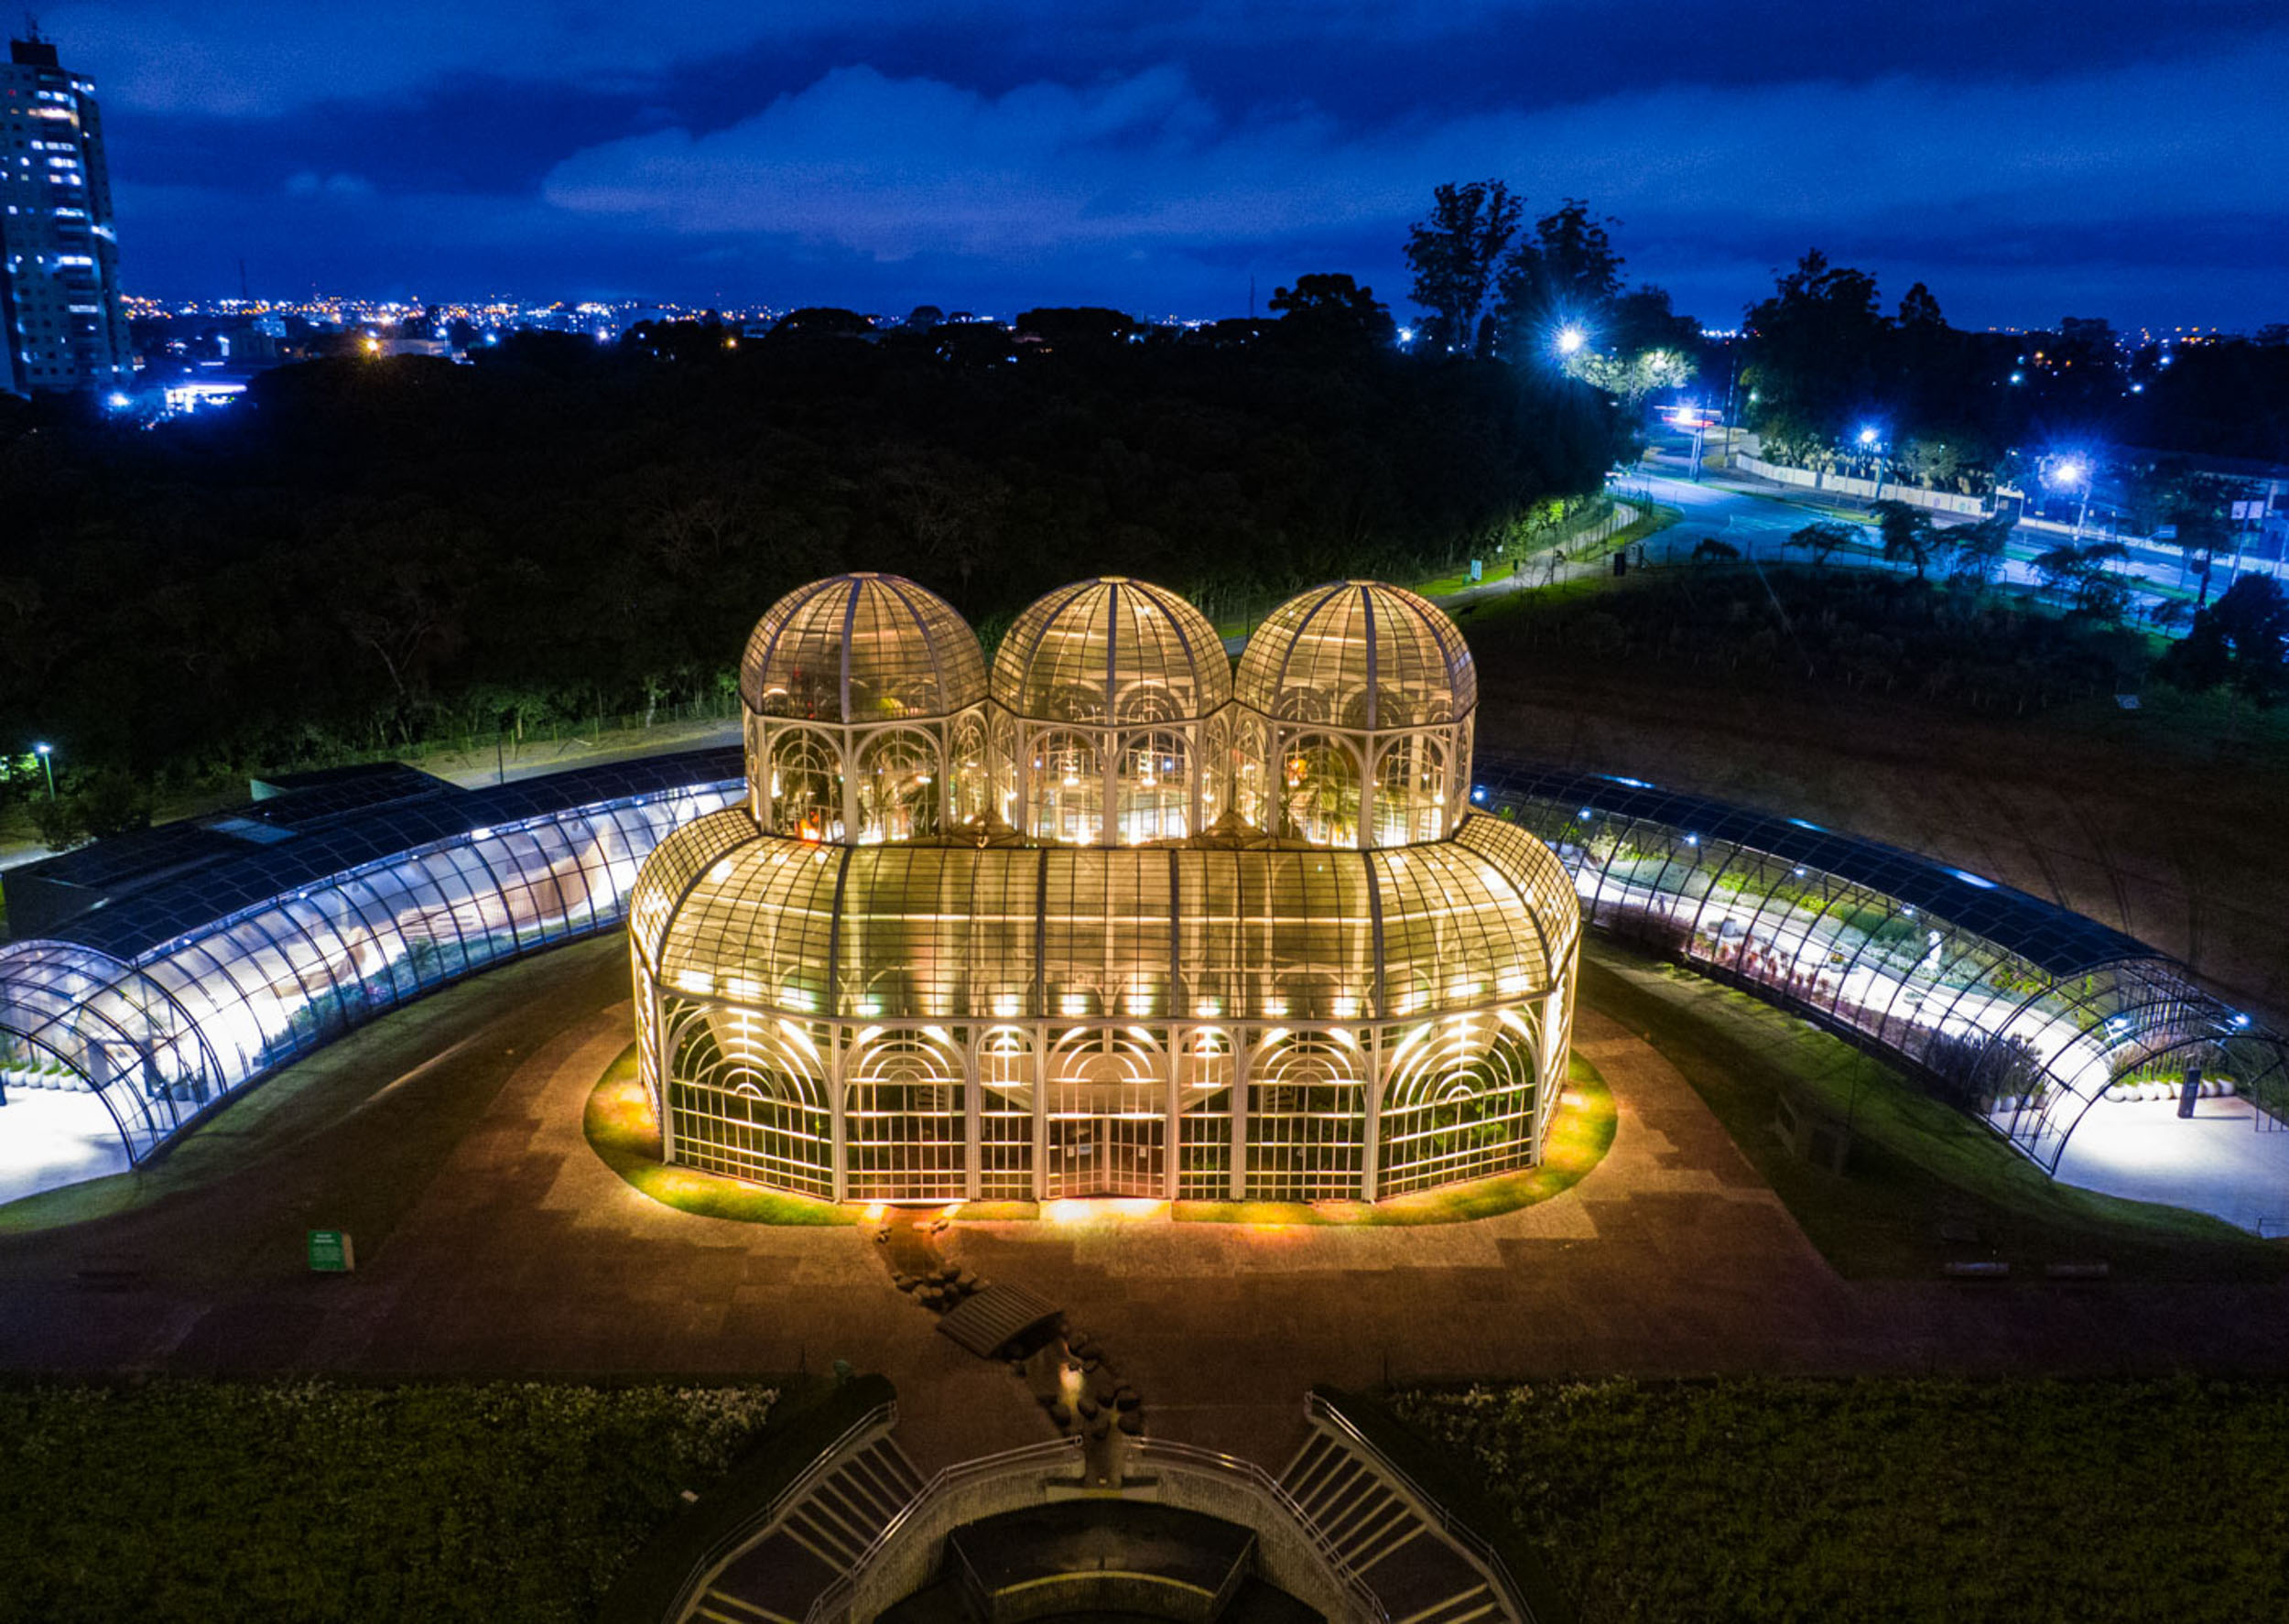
1066 784
898 789
803 788
1411 790
904 1115
747 1095
1154 779
1459 1101
1308 1118
1317 783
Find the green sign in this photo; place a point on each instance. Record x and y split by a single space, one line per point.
331 1252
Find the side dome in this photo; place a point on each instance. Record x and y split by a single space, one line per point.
862 648
1358 654
1111 651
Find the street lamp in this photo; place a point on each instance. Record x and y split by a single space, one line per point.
47 761
1570 339
2071 473
1873 442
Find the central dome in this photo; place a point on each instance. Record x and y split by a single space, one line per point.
1111 650
862 648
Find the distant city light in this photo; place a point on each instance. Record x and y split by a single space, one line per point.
119 400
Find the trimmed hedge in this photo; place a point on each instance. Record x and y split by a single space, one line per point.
315 1502
1887 1499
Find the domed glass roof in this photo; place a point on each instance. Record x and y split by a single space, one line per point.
862 648
1193 930
1111 651
1358 653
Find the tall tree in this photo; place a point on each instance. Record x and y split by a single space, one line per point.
1565 274
1327 310
1455 255
1814 347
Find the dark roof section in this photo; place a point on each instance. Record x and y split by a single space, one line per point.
294 800
2057 941
238 875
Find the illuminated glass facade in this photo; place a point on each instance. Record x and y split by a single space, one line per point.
2023 1014
161 1008
1110 983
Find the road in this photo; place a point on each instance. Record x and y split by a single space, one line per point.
1758 517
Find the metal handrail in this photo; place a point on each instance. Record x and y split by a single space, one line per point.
1463 1534
882 1417
962 1471
1370 1603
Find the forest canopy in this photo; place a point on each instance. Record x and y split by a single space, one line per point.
365 551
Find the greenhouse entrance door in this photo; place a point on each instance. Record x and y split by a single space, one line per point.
1106 1157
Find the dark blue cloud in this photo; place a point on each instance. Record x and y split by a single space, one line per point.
2024 158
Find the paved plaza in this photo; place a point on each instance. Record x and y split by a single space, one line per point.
511 1250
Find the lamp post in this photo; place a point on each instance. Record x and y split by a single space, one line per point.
47 761
1874 443
2071 474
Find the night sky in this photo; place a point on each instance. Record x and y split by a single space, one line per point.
2123 158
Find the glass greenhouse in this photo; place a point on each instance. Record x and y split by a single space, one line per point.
138 1018
2035 1020
1109 980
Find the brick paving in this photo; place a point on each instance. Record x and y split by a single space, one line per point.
521 1253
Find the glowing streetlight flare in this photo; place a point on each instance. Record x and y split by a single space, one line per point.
1571 339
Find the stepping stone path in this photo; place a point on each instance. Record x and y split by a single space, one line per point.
1071 1376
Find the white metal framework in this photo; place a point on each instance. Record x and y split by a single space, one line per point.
1354 708
1109 982
864 699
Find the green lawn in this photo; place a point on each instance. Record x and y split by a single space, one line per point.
315 1502
1695 1503
1916 1164
622 1129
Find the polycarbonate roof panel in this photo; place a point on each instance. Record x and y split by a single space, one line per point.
129 926
2056 939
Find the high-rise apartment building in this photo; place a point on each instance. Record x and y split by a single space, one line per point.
60 309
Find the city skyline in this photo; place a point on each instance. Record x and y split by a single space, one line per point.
1167 163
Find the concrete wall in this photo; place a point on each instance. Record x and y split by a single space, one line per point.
1286 1554
1943 501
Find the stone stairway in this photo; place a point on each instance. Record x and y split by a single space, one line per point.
776 1579
1416 1570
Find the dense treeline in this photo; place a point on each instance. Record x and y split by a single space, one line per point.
1957 409
365 551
